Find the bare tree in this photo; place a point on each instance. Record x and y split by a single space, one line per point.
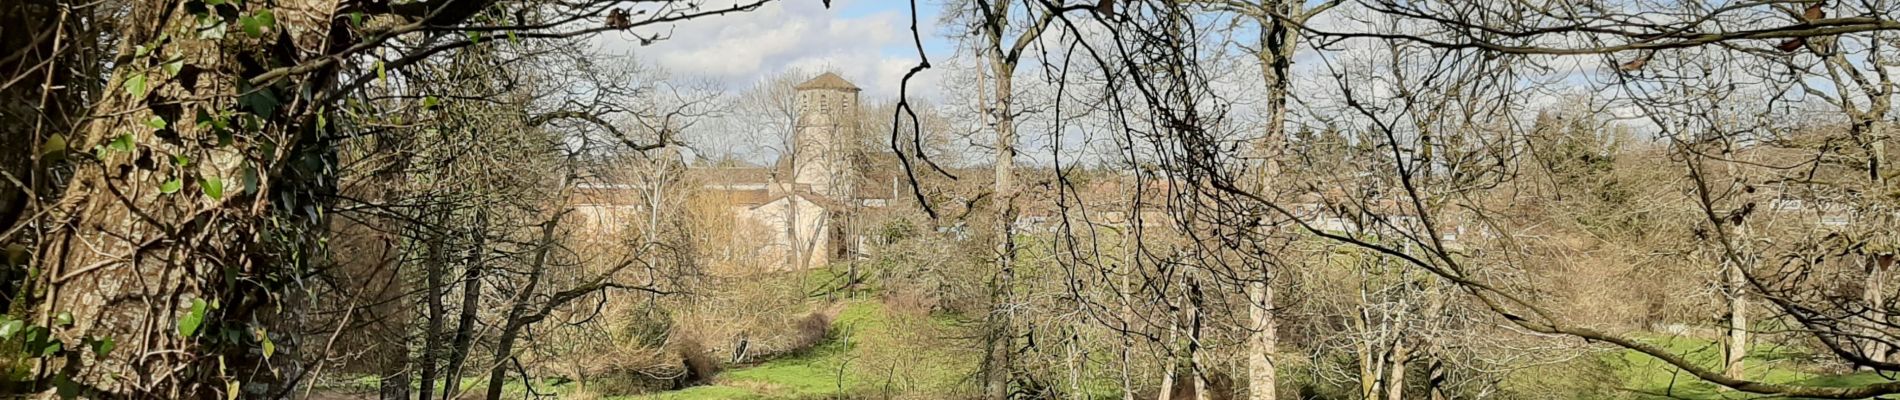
1479 53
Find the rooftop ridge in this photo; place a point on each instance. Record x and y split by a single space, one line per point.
827 80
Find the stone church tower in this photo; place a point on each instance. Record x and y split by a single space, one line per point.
826 135
802 211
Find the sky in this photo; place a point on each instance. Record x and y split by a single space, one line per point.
866 41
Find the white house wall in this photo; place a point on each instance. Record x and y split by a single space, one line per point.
813 232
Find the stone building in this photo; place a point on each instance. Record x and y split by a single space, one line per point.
799 212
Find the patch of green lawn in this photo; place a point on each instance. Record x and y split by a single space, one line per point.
865 335
1650 378
706 393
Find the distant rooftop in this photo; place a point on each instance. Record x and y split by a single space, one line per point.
827 81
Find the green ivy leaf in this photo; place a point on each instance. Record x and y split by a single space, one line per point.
259 100
180 160
122 143
212 186
211 27
255 24
135 85
35 335
65 318
156 122
65 387
172 67
54 148
205 118
171 186
188 324
52 347
474 37
429 101
250 180
10 328
103 346
382 75
269 347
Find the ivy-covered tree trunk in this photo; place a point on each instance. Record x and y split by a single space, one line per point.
195 204
190 205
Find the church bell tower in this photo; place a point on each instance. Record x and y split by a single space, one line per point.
826 135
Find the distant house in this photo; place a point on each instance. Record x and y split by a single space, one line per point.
793 215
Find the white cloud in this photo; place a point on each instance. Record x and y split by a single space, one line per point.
872 49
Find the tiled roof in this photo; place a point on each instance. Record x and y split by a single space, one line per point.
804 193
827 81
730 176
746 198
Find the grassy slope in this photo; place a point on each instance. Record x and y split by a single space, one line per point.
366 386
867 338
1650 378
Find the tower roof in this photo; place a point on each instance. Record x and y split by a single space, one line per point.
827 81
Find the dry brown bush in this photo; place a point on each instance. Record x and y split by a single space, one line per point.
700 367
813 329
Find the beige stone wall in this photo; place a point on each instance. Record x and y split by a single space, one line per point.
810 226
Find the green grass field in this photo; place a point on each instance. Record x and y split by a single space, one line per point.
872 351
1645 377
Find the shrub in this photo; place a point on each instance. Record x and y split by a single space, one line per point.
700 367
813 329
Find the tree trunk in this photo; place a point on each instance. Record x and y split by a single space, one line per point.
1875 294
1003 120
1263 342
1369 363
1880 263
1395 380
435 266
1122 290
794 258
512 326
1737 347
1434 350
138 245
395 386
1368 377
471 301
1194 341
1275 54
1435 378
386 311
1168 370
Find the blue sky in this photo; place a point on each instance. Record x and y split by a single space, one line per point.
866 41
